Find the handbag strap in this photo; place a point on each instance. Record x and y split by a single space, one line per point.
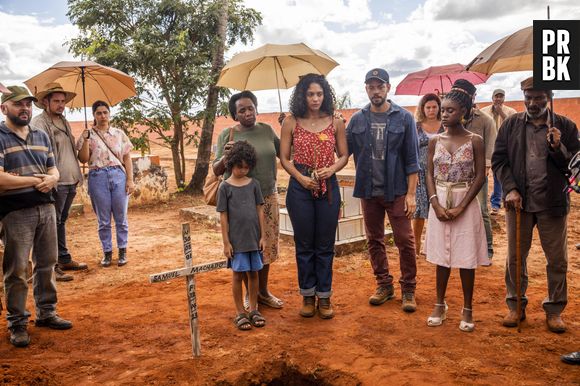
111 150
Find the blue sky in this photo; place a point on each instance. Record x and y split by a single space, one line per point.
401 36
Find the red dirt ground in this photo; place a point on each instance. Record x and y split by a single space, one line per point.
127 331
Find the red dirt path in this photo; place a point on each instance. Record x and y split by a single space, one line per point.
127 331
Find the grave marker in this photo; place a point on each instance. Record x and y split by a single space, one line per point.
189 272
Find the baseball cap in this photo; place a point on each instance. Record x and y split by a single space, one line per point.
379 74
17 94
498 91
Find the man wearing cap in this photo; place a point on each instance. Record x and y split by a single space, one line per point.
383 139
531 155
498 112
27 176
482 125
52 99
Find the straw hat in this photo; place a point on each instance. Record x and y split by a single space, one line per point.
52 88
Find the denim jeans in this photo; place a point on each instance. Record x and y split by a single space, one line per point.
495 199
314 221
64 197
482 198
25 230
108 196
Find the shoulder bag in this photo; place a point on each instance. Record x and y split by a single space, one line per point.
212 182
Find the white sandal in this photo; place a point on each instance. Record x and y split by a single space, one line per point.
434 321
465 326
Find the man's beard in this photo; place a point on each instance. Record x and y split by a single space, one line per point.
19 121
382 101
537 115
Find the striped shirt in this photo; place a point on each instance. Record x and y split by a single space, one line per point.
24 158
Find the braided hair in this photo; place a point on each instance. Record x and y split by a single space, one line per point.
462 92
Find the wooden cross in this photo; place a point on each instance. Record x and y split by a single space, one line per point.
189 272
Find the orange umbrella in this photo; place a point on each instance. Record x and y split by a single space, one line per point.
512 53
91 81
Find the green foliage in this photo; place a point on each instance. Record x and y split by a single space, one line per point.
166 45
343 101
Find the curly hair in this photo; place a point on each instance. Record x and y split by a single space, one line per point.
236 97
298 105
241 152
420 112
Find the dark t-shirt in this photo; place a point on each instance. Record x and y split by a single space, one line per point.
378 125
240 203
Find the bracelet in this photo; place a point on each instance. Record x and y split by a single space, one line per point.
432 197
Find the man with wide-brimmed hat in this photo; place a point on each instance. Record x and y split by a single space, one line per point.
531 157
52 99
27 176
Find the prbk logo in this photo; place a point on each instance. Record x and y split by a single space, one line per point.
557 54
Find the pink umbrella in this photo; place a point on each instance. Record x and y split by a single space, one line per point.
437 79
4 90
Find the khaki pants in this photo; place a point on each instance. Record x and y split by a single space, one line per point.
552 231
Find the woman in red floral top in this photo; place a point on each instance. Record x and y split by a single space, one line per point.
313 197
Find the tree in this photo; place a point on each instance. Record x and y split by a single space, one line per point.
343 101
168 46
204 149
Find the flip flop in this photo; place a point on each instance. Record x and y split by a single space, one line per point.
270 301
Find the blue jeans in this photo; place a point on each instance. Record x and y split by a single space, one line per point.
495 199
64 197
25 229
482 198
314 221
108 196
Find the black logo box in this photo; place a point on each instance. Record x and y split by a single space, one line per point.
573 64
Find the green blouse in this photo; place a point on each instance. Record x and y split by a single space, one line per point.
267 145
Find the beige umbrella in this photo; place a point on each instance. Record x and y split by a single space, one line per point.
512 53
89 80
4 90
274 66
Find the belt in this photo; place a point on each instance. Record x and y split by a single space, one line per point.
450 187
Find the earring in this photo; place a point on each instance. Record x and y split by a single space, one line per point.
463 121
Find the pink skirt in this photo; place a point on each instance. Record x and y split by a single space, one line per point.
460 243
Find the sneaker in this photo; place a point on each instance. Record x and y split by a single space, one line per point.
19 336
55 322
107 259
73 266
60 275
409 304
308 307
555 323
381 295
325 310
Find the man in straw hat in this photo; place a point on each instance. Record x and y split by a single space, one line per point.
498 111
52 99
531 155
27 176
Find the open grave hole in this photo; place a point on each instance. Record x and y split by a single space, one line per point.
286 373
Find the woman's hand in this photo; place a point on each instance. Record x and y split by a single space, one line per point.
453 213
440 212
324 173
129 187
308 183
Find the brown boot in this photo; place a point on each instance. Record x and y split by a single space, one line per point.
308 307
555 323
511 319
325 310
381 295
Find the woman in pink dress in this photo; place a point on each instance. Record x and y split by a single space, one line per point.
455 233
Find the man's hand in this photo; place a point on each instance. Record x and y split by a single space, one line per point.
47 184
513 200
556 135
410 205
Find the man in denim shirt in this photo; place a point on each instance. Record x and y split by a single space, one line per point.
383 139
